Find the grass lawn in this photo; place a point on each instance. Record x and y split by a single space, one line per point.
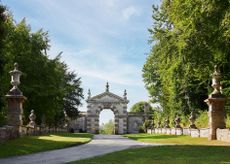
186 150
32 144
174 154
173 139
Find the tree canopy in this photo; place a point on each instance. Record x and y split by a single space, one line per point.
188 38
141 107
47 83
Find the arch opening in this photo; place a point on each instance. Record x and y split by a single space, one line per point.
107 122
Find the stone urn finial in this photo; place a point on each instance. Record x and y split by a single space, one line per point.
192 120
66 119
177 122
89 94
15 81
125 94
32 118
216 76
107 87
221 89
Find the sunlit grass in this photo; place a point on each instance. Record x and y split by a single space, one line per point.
174 139
62 139
187 150
174 154
32 144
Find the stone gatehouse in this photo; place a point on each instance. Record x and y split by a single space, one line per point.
124 122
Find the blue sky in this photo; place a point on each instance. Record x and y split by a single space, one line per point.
102 40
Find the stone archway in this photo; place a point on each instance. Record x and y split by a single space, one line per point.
124 122
107 100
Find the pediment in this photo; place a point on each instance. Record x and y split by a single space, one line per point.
107 97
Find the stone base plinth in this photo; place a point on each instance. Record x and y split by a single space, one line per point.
15 110
216 114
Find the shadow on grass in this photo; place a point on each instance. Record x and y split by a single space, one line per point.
32 144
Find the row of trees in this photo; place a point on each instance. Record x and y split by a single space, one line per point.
47 83
188 38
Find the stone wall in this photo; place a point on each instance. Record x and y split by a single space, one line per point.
204 132
134 122
9 132
180 131
195 133
79 124
28 131
223 135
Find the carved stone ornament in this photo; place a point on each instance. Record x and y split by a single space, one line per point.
177 122
15 81
32 118
192 120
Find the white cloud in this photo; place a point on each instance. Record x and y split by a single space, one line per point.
129 12
102 65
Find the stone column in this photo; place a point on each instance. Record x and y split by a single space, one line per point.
216 102
15 110
15 101
116 126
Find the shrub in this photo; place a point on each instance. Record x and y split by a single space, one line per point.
202 120
228 121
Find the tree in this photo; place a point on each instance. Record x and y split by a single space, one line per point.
3 33
73 95
47 83
107 128
141 107
188 38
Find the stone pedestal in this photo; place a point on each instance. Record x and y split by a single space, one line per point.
216 114
15 111
216 101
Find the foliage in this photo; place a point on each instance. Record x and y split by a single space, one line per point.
47 83
141 107
107 128
157 116
188 38
202 120
146 125
228 122
73 94
3 33
32 144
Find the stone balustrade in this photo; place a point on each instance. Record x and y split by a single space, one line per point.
222 134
